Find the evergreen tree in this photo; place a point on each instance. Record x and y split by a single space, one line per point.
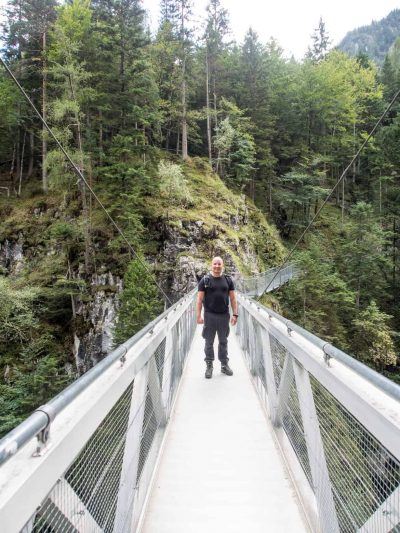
373 342
363 255
139 302
217 27
26 30
320 43
319 299
73 91
235 146
31 360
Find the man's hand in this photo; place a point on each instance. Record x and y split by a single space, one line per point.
200 320
234 320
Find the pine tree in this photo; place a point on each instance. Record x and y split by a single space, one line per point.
373 341
320 43
139 302
217 28
71 84
26 29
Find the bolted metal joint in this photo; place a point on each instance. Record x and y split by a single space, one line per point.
123 357
289 328
44 435
327 356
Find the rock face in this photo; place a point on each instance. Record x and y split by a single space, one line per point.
185 245
94 317
94 339
11 256
223 224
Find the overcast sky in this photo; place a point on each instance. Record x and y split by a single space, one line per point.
291 22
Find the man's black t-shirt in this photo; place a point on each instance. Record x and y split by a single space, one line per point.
216 299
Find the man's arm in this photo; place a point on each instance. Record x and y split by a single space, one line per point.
234 305
199 305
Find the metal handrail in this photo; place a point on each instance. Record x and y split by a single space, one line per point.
40 419
380 381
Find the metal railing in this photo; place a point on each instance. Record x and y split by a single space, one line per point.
336 421
256 285
338 427
98 441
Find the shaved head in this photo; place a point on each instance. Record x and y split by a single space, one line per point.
217 266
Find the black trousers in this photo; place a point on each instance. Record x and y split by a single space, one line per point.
216 323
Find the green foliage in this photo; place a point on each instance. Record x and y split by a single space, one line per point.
282 131
31 362
17 318
320 43
363 253
36 378
140 301
374 39
173 184
373 342
299 194
319 298
235 146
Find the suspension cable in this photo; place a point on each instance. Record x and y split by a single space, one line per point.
335 187
81 177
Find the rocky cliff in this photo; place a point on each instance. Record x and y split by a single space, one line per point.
41 245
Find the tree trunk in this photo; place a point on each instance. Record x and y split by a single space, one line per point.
270 194
184 119
394 260
82 186
31 154
208 111
45 181
343 190
215 97
22 165
178 140
184 110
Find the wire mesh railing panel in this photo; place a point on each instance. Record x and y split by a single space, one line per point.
293 425
259 365
256 285
363 473
355 479
278 354
104 487
91 483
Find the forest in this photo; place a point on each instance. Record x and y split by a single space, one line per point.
146 116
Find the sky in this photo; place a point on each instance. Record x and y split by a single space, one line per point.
291 22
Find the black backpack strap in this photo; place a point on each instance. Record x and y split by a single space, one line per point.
228 279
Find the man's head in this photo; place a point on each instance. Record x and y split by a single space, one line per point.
217 266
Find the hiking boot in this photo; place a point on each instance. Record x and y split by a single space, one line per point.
225 369
209 370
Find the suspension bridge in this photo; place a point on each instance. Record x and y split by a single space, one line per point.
301 438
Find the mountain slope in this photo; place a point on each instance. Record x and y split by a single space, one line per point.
375 39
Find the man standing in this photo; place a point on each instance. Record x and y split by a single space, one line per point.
215 291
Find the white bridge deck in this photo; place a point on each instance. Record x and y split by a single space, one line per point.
221 470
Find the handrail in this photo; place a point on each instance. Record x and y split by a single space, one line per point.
380 381
40 419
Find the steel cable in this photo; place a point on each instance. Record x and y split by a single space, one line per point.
81 177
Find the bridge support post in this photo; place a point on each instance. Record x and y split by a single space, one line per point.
284 388
167 377
127 484
316 455
252 345
269 376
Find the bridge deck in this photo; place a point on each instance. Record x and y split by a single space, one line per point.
220 470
